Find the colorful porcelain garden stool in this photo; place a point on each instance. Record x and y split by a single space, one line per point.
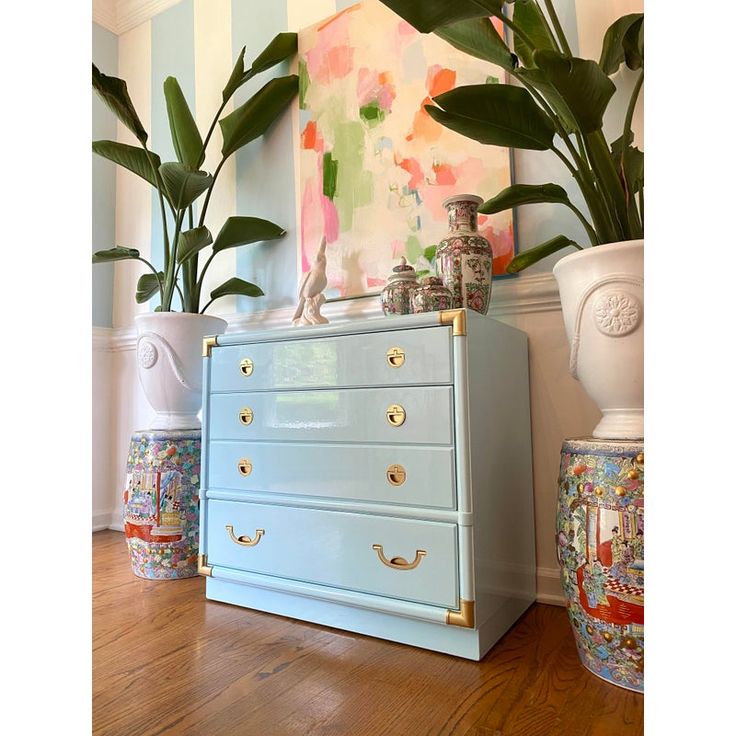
600 549
161 500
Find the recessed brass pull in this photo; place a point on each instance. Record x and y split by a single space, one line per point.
244 540
246 366
246 415
399 563
396 415
395 357
396 474
244 466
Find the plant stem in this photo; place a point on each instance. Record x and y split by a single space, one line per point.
558 48
558 27
159 186
212 126
200 280
513 27
206 305
172 271
209 192
641 208
588 227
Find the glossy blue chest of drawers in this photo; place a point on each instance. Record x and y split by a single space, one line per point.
373 476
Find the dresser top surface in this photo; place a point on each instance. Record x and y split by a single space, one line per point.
458 319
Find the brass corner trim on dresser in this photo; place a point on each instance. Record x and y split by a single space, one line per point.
456 318
203 568
208 343
464 617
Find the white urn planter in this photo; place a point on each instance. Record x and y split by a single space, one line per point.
169 357
602 296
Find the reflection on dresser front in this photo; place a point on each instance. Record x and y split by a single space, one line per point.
372 476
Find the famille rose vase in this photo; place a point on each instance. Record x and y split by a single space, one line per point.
600 550
464 257
161 501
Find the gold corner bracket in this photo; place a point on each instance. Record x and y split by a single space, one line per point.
208 343
465 617
456 318
203 568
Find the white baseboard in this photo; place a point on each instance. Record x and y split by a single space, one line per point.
101 520
549 588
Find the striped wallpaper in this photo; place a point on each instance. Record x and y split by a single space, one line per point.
197 41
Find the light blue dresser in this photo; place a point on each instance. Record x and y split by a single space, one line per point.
373 476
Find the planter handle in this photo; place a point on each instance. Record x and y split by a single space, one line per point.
575 337
149 359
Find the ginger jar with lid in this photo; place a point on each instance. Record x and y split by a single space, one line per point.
396 295
464 257
431 296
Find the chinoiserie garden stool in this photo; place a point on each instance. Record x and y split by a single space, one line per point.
161 503
600 549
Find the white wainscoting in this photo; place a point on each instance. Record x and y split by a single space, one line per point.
560 408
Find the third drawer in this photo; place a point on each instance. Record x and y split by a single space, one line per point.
393 474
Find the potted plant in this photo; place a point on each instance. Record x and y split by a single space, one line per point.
557 104
169 341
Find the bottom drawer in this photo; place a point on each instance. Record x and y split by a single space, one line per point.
402 558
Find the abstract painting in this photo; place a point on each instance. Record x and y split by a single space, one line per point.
374 167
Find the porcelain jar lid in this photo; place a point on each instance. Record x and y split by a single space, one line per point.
403 272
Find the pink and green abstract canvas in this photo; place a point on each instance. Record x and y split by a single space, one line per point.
374 166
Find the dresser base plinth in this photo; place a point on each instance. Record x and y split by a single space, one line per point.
461 642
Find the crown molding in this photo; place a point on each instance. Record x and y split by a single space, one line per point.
519 295
120 16
105 14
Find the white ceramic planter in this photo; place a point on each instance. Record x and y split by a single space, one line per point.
169 357
602 296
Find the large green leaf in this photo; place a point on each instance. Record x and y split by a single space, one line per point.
183 186
283 46
582 86
518 194
243 230
236 77
148 285
426 15
114 93
184 132
497 114
252 119
531 256
612 53
133 158
237 287
529 19
478 37
191 242
115 254
633 45
629 162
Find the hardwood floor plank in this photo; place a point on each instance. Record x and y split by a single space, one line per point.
167 661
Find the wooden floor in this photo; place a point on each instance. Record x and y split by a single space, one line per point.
166 661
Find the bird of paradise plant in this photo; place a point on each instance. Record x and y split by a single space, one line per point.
180 183
557 104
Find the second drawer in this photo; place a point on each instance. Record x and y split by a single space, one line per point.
410 476
401 415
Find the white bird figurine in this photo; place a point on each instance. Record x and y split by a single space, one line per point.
311 287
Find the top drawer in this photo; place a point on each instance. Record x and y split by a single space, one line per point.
401 357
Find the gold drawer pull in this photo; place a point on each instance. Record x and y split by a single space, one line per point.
395 357
246 366
246 415
399 563
244 540
244 466
396 415
396 474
